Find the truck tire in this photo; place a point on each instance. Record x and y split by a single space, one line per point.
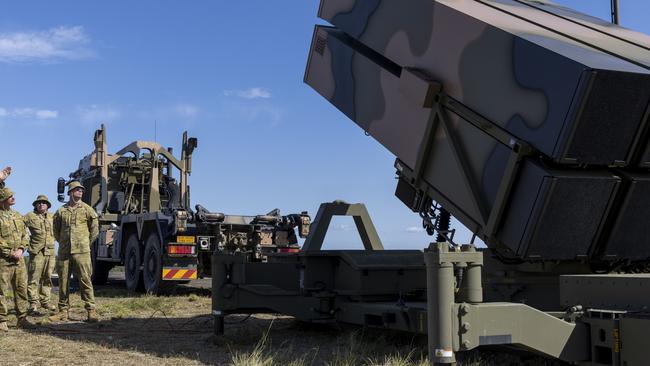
152 267
100 268
133 264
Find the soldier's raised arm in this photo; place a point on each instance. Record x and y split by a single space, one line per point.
4 173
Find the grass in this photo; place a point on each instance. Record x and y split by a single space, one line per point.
351 348
177 330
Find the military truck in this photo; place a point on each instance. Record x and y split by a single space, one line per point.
526 121
142 197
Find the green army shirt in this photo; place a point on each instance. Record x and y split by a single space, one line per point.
13 233
75 228
41 232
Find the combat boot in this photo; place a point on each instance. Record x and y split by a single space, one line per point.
50 308
92 316
24 323
33 311
4 327
62 316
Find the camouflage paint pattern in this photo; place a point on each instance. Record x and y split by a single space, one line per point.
39 285
526 78
75 228
13 233
41 234
578 96
81 265
13 280
41 257
13 275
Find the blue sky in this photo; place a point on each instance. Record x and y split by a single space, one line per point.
230 72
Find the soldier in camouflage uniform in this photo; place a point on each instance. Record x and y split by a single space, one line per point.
41 255
75 228
13 275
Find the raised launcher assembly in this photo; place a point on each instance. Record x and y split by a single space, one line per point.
526 121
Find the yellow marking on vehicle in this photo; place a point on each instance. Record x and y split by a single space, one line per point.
185 239
178 274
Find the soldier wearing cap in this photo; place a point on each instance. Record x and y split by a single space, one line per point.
75 228
13 275
41 255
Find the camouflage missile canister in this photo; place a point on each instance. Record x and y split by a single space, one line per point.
577 95
543 87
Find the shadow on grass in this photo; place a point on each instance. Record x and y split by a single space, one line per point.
115 291
286 340
283 340
158 335
115 288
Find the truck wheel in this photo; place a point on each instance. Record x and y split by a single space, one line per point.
152 267
132 263
100 268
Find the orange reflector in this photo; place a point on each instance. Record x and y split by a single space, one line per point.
180 249
288 250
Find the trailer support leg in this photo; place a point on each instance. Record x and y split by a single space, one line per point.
218 323
473 286
440 301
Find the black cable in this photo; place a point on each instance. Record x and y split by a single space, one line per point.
240 320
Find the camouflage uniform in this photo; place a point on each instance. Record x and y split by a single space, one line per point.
41 259
13 275
75 229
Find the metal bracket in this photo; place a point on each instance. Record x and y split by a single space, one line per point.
362 221
429 94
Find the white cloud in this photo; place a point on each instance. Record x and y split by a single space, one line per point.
414 229
60 43
186 110
252 93
28 113
46 114
97 114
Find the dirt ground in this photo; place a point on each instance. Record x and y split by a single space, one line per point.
177 330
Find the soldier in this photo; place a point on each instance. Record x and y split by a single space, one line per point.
75 228
13 276
41 258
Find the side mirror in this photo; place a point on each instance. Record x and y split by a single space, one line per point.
60 189
192 143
